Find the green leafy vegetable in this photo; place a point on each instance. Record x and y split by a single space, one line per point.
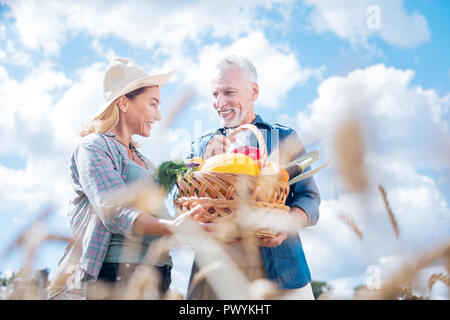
168 173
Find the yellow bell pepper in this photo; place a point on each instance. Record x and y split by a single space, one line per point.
231 163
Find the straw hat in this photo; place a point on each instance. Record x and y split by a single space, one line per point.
122 76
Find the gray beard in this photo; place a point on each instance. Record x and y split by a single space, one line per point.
236 121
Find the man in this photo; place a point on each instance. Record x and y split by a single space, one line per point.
234 92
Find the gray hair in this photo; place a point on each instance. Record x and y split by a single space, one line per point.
246 67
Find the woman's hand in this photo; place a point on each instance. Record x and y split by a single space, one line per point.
146 224
191 214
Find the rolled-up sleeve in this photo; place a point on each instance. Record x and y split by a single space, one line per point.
102 184
303 194
306 196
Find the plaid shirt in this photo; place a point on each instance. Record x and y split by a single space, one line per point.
99 167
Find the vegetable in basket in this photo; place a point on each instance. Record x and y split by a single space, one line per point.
168 172
231 163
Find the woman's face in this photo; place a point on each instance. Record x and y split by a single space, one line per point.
143 111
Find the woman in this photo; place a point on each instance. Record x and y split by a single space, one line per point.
110 241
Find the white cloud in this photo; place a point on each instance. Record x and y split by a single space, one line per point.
390 265
351 20
47 29
278 68
176 144
27 106
41 183
397 118
77 105
330 240
2 31
439 290
109 54
421 213
20 221
12 56
9 52
170 35
148 24
42 115
43 129
342 288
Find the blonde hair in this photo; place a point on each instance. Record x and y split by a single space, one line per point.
106 121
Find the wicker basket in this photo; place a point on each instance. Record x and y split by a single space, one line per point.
222 194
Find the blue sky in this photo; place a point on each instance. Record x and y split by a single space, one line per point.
318 63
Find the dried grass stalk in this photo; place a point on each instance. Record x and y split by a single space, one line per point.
173 295
290 147
21 238
143 284
178 106
350 149
438 277
405 276
349 221
263 289
391 215
225 278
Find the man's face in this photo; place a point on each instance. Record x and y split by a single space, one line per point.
233 96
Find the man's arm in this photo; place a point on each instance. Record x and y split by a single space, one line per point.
304 197
199 145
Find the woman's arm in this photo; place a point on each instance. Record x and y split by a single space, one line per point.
147 224
102 184
100 179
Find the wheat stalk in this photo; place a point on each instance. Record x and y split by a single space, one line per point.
406 275
391 215
438 277
350 148
349 221
177 106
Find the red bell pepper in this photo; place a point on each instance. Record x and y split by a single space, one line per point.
249 151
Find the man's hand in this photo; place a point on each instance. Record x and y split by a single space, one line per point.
188 215
272 242
301 220
218 145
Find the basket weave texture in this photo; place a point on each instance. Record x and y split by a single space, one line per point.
223 194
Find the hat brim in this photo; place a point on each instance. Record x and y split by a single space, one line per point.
150 81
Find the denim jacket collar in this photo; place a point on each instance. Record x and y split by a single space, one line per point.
259 122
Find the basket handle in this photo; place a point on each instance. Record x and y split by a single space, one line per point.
259 137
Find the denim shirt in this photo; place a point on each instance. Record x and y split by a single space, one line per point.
286 263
